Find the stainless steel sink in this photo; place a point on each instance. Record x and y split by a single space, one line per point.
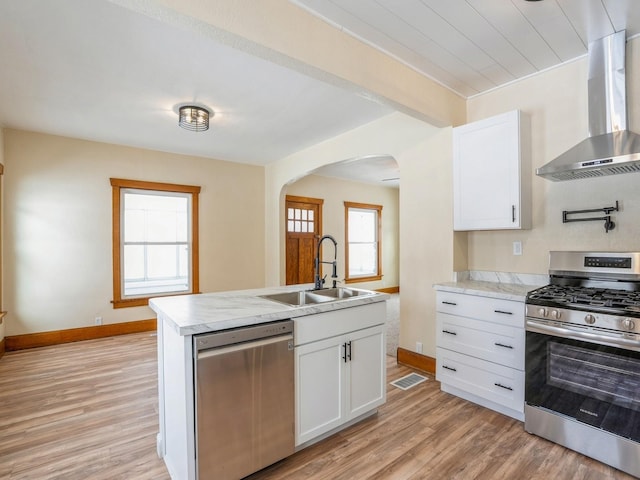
340 293
310 297
303 297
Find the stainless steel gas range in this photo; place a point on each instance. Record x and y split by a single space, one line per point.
582 361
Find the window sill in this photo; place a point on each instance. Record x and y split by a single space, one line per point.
144 301
363 279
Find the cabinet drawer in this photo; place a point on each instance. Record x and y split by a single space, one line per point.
489 341
319 326
497 310
499 384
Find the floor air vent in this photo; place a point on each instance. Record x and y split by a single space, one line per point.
408 381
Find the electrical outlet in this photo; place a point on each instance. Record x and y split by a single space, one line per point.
517 248
418 347
98 320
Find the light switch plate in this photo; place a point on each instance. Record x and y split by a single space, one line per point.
517 248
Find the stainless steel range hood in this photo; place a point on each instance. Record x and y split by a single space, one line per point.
610 148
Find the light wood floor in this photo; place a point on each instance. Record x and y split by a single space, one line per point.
88 410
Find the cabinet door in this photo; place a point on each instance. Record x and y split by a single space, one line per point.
366 370
487 175
319 388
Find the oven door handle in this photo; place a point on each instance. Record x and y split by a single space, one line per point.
575 334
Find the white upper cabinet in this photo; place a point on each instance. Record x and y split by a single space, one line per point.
491 173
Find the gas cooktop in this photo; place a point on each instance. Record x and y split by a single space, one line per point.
606 300
603 282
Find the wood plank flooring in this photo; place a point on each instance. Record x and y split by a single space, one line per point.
88 410
85 410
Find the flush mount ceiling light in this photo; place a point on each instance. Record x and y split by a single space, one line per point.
194 118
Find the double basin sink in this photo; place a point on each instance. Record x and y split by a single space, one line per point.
310 297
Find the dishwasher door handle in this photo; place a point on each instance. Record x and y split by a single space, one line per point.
213 352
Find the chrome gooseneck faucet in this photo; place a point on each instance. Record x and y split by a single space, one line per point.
319 281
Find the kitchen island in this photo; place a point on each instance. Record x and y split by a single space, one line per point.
332 389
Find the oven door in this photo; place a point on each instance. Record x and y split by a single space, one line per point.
595 384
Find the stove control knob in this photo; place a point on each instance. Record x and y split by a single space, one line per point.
555 314
542 312
590 319
628 324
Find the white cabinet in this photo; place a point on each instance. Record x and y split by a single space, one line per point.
491 173
339 378
480 344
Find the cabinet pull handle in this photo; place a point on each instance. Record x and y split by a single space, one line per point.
449 368
349 355
449 303
503 386
497 344
513 213
344 352
450 333
504 312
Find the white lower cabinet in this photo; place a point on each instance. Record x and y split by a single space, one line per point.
340 378
480 350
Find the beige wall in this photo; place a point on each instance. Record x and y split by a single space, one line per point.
426 235
335 192
57 226
2 326
557 104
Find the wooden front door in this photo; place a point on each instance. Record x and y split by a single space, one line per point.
303 224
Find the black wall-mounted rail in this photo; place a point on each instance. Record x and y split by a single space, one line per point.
608 223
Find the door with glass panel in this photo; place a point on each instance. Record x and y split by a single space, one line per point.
303 225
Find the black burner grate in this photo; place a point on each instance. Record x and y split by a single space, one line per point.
586 298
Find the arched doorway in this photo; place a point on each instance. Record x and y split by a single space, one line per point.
371 179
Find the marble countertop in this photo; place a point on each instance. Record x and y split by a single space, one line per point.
505 285
209 312
507 291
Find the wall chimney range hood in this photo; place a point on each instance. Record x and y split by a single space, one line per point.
610 148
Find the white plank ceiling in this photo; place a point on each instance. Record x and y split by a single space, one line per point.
472 46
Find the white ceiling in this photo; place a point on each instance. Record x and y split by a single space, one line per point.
472 46
381 170
95 70
98 71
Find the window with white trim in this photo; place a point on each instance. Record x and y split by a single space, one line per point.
364 242
155 240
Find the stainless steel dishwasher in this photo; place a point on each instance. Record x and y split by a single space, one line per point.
245 414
